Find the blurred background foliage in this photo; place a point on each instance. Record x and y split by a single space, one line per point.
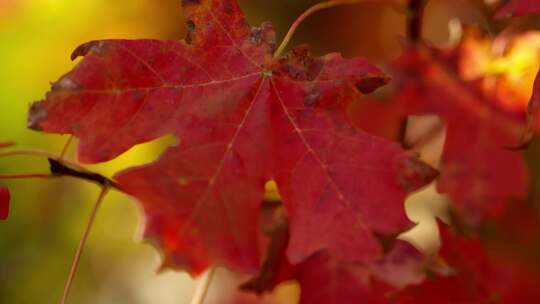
48 216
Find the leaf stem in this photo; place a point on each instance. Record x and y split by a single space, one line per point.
310 11
204 285
82 244
66 147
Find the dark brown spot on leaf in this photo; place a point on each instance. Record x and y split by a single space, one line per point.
36 113
256 36
312 98
414 174
65 84
299 65
190 25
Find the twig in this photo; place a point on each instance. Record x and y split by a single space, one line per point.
7 144
40 153
82 244
310 11
28 152
59 167
202 289
415 14
28 175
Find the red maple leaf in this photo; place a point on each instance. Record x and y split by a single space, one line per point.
518 8
243 118
4 203
477 172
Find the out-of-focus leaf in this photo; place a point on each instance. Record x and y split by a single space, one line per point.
518 8
477 172
470 274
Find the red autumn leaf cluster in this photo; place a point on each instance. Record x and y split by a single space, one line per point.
244 117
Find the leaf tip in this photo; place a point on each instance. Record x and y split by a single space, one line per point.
83 49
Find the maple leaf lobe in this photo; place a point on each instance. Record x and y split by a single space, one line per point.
98 47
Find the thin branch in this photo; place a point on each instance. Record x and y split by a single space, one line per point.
202 289
60 167
317 7
40 153
7 144
28 175
82 244
415 14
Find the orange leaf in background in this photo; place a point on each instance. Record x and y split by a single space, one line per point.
478 174
243 118
4 203
505 66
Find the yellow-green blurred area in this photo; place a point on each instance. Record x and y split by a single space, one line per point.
47 217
